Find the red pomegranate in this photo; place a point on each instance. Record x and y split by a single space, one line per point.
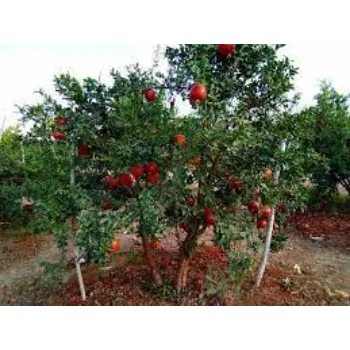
126 180
83 150
115 247
150 95
226 50
191 202
207 212
106 205
137 171
210 220
253 207
151 168
262 224
180 140
235 184
266 212
60 122
152 178
198 93
112 182
58 136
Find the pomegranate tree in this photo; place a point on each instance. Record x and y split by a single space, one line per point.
237 141
122 158
109 170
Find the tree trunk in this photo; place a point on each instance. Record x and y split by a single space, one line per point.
178 235
185 273
186 252
179 276
151 262
346 184
182 274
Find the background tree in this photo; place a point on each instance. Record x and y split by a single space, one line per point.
328 126
12 175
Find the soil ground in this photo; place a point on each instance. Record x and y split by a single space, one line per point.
314 269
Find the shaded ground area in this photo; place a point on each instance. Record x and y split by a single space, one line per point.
314 269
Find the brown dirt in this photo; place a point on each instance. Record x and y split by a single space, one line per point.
307 273
21 249
133 277
313 270
332 230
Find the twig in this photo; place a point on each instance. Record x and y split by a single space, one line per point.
212 281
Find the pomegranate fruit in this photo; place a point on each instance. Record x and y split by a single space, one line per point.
198 93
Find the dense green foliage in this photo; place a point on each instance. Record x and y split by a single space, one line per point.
328 126
12 173
105 158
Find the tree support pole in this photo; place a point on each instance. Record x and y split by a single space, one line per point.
80 277
268 239
73 230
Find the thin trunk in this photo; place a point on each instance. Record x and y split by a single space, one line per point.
346 185
185 258
342 182
22 148
180 276
178 235
151 262
185 273
268 238
187 249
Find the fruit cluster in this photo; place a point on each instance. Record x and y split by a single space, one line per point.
263 212
60 122
150 170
